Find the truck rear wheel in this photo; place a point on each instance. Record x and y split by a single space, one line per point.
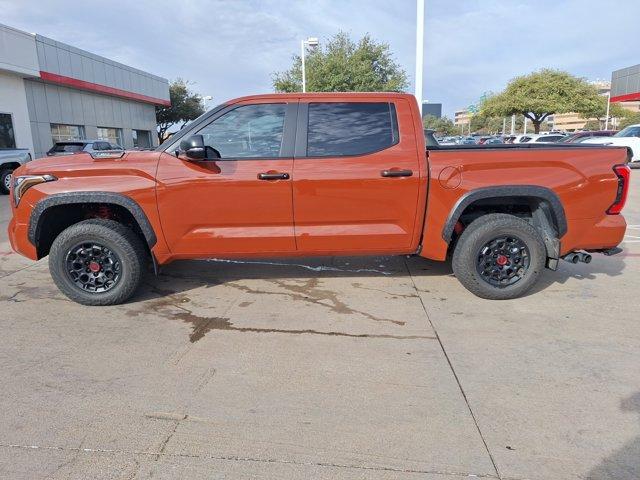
499 257
97 262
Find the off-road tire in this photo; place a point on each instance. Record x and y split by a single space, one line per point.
477 235
118 238
4 173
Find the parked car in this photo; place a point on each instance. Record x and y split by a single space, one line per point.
627 137
493 141
541 138
10 159
79 146
242 181
579 137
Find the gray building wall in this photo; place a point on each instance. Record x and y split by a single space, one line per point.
62 59
625 81
49 104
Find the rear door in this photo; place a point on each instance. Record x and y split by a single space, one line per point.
356 176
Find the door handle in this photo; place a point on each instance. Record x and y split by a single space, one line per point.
396 173
273 176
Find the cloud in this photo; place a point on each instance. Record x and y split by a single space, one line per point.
230 48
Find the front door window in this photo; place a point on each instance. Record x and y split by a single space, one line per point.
249 131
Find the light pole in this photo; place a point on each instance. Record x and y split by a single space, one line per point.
419 51
513 124
205 99
606 121
309 42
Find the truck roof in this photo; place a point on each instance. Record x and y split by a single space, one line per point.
333 95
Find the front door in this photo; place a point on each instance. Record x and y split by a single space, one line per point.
356 178
240 203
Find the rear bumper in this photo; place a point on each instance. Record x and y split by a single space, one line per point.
594 234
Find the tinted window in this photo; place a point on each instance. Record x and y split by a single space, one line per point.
67 147
250 131
7 138
633 131
337 129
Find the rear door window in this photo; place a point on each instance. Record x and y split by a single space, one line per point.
343 129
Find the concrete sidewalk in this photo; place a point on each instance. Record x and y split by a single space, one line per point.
381 368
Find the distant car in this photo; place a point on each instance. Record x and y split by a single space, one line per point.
468 141
10 159
542 138
493 141
580 137
448 141
72 147
627 137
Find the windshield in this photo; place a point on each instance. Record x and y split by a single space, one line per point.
67 147
632 131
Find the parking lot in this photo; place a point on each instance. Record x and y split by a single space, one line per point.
382 368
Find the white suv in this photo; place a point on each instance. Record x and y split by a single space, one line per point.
627 137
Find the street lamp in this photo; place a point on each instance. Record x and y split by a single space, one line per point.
309 42
205 99
606 121
419 51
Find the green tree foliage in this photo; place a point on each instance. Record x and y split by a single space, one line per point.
441 126
185 106
542 93
598 110
343 65
593 125
630 118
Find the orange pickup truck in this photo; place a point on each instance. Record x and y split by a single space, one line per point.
318 174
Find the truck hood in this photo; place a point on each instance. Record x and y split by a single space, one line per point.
65 162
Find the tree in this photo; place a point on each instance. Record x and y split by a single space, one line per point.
540 94
185 106
598 111
592 125
441 126
345 66
630 118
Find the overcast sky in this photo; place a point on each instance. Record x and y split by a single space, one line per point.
230 48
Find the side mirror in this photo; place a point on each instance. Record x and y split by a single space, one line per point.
195 149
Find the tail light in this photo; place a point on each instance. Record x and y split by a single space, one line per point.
623 172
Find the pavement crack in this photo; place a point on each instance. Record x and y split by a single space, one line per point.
455 375
247 459
163 445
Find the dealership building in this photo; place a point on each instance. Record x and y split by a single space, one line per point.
51 91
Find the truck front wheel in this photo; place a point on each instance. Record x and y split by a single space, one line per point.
499 257
97 262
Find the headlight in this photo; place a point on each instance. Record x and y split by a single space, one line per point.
25 182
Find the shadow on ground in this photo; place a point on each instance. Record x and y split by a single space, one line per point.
624 464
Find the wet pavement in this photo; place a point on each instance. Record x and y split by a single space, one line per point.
351 368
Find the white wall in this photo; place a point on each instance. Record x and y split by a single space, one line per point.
18 52
13 100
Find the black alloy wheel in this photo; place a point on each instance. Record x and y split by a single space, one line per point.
503 261
93 267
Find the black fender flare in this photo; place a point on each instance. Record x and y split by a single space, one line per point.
535 191
71 198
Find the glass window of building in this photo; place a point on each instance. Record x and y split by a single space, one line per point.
7 137
66 133
111 135
141 139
